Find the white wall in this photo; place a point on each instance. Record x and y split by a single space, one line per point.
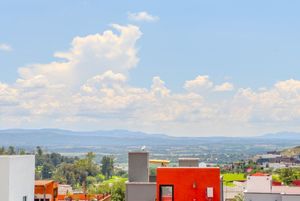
263 197
4 175
262 184
290 197
19 179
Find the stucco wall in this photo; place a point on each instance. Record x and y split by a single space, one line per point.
138 166
262 197
261 184
4 174
19 179
290 197
188 162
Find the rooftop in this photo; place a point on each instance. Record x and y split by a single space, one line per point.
42 182
260 174
290 190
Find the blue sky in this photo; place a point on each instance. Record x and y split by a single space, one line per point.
251 45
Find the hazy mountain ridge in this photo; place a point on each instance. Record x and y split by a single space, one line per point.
283 135
295 151
59 137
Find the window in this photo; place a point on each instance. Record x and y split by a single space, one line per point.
166 193
24 198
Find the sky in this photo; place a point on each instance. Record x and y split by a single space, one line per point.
183 68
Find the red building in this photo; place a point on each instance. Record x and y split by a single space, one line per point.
182 184
45 190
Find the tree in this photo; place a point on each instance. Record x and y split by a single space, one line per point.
2 151
22 152
65 174
47 171
107 167
288 175
239 197
11 150
39 151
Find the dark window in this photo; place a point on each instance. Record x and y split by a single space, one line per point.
166 193
36 199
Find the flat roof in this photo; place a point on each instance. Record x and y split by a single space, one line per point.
201 168
16 156
285 190
188 159
159 161
42 182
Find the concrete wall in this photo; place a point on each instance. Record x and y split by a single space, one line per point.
138 166
263 197
140 191
4 175
17 177
290 197
188 162
261 184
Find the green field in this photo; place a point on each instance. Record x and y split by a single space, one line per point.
229 178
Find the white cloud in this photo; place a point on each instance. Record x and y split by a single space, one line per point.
226 86
90 89
288 85
200 83
5 47
158 88
91 55
142 16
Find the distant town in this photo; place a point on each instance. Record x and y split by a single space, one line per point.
216 174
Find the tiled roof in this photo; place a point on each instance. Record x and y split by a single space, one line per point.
260 174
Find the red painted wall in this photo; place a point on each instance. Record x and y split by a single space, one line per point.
184 179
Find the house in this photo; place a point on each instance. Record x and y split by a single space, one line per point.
187 182
45 190
17 177
84 197
65 189
259 188
49 190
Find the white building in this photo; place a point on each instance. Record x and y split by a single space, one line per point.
259 188
17 178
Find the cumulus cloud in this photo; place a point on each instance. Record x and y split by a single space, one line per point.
200 83
142 16
89 88
5 47
226 86
90 55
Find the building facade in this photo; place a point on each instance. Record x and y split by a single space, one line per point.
17 178
259 188
45 190
187 182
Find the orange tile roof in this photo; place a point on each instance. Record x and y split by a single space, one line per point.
80 196
260 174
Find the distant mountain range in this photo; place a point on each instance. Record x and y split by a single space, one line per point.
58 137
283 135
